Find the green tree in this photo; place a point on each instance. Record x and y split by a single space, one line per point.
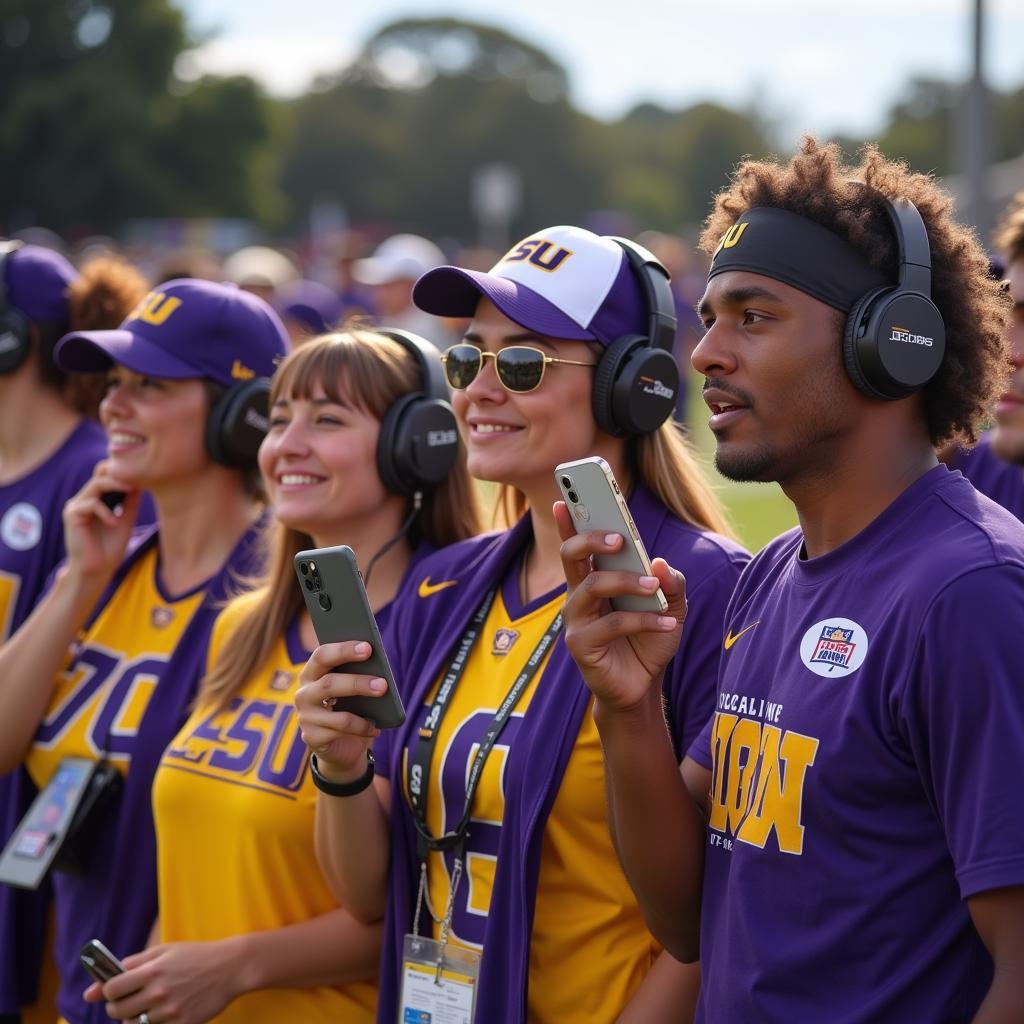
95 128
398 136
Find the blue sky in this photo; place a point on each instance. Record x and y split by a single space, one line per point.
823 67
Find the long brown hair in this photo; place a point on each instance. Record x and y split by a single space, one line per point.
665 461
372 372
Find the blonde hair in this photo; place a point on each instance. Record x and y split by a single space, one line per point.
372 372
665 461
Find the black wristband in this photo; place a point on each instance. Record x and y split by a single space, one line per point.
342 788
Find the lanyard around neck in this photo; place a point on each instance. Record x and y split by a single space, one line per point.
420 761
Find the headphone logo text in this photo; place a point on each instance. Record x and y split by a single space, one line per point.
902 334
535 251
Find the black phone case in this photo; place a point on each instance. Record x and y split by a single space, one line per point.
332 587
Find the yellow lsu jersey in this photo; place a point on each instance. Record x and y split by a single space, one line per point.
234 806
113 668
590 948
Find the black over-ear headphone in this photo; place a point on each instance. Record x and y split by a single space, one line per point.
637 377
15 327
238 422
419 435
895 337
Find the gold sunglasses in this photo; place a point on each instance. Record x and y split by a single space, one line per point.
520 368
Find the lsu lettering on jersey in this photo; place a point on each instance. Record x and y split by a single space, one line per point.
866 760
590 948
234 805
101 696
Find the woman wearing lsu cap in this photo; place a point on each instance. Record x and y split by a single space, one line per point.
249 929
49 444
529 877
106 665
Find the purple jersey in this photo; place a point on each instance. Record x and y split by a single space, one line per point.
866 761
31 545
1002 481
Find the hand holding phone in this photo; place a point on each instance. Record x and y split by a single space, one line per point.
100 962
595 502
332 587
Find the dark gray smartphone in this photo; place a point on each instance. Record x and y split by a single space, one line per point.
590 490
99 961
332 586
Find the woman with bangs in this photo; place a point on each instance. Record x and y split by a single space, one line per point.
249 929
486 828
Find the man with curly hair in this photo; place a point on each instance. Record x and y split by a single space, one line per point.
996 464
844 842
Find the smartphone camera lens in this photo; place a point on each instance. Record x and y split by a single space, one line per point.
304 568
573 496
566 482
325 602
309 585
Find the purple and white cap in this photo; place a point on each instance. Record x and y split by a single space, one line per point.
186 328
562 282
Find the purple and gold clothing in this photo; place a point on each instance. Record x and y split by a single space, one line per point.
31 546
544 772
866 761
238 778
1002 481
125 690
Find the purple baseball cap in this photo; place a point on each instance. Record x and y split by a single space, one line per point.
562 282
186 328
37 281
311 303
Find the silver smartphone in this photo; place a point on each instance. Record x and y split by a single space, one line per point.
332 586
100 962
595 502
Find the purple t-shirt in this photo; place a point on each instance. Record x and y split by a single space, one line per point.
31 545
867 758
1002 481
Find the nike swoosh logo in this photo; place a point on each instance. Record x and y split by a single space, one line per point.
427 588
730 639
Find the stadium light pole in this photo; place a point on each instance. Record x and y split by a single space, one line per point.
977 134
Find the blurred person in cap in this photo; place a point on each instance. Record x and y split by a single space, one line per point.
260 270
49 443
565 356
307 308
995 465
390 273
106 666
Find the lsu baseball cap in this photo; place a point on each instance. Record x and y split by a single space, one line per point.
562 282
186 328
37 281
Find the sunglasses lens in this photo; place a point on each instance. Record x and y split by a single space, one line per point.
461 365
520 369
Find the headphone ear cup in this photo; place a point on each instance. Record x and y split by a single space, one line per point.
855 337
238 422
609 367
635 387
15 339
418 444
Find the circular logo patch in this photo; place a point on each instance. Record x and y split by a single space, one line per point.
834 647
21 526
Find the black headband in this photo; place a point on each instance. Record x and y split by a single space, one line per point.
799 252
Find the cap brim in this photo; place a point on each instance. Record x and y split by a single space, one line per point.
95 351
453 291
